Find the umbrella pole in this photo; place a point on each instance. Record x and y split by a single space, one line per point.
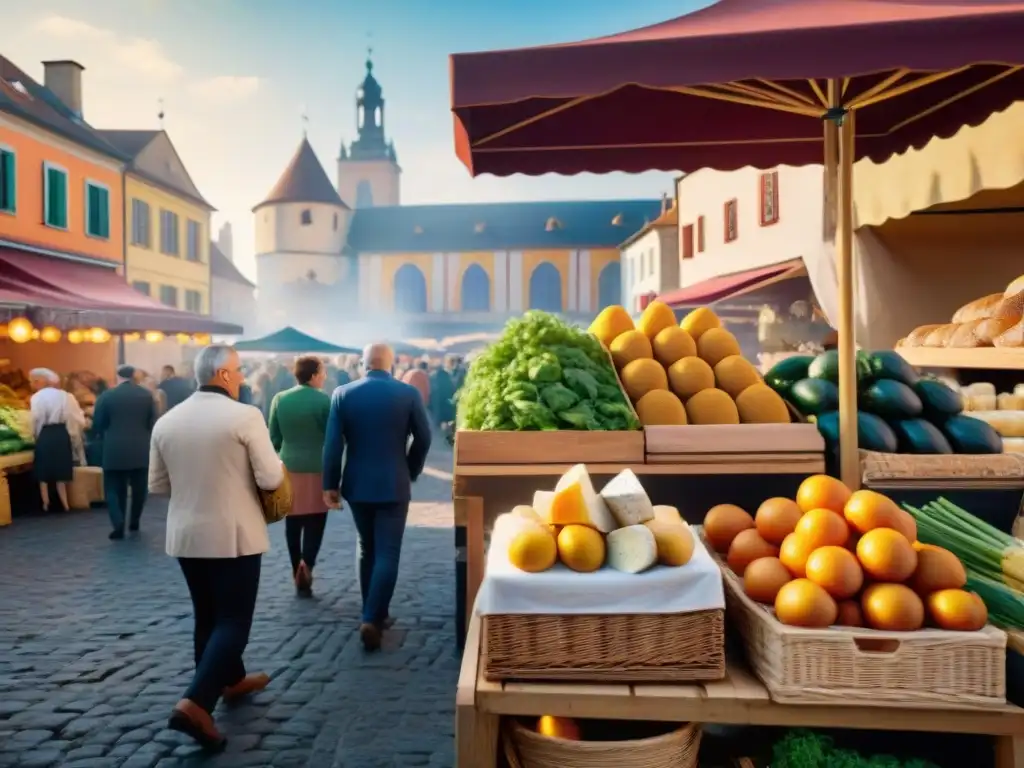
849 455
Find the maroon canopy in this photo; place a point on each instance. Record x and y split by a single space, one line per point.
741 82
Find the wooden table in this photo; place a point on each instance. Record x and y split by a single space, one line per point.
17 462
739 699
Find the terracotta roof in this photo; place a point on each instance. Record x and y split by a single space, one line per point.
23 97
130 143
669 218
169 172
223 268
303 181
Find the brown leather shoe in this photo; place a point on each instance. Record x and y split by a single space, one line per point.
304 580
253 683
370 635
195 722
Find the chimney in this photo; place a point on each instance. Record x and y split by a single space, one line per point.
225 241
64 79
664 203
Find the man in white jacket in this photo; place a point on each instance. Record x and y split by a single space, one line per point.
210 453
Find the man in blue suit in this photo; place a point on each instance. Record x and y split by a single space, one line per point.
370 423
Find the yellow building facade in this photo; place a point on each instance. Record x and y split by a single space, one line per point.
167 223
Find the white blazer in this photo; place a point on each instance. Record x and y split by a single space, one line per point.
209 453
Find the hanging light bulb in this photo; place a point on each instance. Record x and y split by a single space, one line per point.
76 336
183 338
99 335
35 334
154 337
132 336
50 335
20 330
201 338
3 331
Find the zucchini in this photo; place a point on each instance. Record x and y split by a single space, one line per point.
891 400
920 436
939 401
890 365
814 396
873 434
785 373
968 435
826 366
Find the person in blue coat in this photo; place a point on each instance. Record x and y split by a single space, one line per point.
371 422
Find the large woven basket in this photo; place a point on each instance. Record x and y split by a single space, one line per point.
929 668
665 648
526 749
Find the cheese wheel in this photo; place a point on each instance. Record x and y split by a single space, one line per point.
632 549
577 503
627 500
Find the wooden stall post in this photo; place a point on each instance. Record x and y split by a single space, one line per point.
469 514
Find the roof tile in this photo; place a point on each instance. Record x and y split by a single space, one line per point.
303 181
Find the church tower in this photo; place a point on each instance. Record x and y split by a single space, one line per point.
368 172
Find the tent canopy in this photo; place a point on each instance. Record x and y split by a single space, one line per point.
735 83
290 340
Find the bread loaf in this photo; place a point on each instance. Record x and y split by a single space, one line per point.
1009 402
940 336
987 330
1011 306
917 336
1006 423
1011 337
1017 286
965 336
978 309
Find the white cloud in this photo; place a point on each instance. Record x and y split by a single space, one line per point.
225 88
140 56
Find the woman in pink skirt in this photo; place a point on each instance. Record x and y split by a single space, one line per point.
298 420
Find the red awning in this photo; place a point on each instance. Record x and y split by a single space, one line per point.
730 286
69 293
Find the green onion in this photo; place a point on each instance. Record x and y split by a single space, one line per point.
1005 605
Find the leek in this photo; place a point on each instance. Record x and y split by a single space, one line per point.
1005 605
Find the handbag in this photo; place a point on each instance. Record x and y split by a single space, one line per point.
276 504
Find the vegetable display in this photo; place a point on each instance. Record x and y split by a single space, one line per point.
897 410
543 374
15 430
806 749
832 557
686 373
586 530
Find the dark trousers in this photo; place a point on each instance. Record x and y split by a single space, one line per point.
380 528
223 594
116 483
304 534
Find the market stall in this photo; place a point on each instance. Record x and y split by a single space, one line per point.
292 341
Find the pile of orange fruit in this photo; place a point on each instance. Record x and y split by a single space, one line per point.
835 557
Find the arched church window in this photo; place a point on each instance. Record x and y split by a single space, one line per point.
306 217
546 288
376 116
475 294
609 285
410 289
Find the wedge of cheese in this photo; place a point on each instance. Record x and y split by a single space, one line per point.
627 500
527 512
542 503
667 514
577 503
632 549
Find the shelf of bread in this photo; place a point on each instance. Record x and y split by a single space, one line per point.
994 358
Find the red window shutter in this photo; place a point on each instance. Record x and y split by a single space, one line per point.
731 216
686 245
769 198
700 234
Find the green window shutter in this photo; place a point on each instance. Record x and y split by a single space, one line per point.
104 213
8 182
99 211
57 198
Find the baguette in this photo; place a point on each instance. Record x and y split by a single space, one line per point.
940 336
987 330
1011 306
1011 337
1017 286
979 309
965 336
917 336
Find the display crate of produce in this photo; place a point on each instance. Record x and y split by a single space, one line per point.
907 470
676 748
552 447
931 669
738 448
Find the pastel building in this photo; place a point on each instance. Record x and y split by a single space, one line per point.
348 253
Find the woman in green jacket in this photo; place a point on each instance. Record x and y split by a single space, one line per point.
298 422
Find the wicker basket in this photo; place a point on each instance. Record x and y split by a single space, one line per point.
666 648
526 749
929 668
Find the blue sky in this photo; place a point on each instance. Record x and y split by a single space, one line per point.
236 76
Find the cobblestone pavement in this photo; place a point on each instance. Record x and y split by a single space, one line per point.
95 649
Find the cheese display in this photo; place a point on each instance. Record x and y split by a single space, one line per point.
632 549
845 558
898 411
627 500
683 373
576 502
996 320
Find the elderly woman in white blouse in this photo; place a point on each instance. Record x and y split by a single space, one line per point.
55 415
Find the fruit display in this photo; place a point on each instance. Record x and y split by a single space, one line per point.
898 411
996 320
685 373
585 530
832 557
15 389
543 374
15 430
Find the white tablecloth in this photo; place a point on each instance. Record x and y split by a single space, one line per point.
696 586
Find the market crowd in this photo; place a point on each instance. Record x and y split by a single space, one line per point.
228 443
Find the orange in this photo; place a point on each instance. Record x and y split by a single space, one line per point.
558 727
822 492
822 528
886 555
794 553
836 570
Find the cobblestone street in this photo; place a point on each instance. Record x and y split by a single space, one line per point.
96 646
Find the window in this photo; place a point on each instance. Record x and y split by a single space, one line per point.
55 196
307 217
169 295
731 221
141 225
97 210
193 241
769 194
169 233
194 301
335 222
700 234
142 287
8 190
686 242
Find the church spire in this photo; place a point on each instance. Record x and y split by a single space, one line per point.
372 143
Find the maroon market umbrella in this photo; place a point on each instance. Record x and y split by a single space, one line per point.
749 82
735 83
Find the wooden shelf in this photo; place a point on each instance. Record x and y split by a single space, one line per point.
995 358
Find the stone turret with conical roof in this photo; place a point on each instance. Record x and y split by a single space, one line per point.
301 227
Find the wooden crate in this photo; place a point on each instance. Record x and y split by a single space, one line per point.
560 447
926 669
739 448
